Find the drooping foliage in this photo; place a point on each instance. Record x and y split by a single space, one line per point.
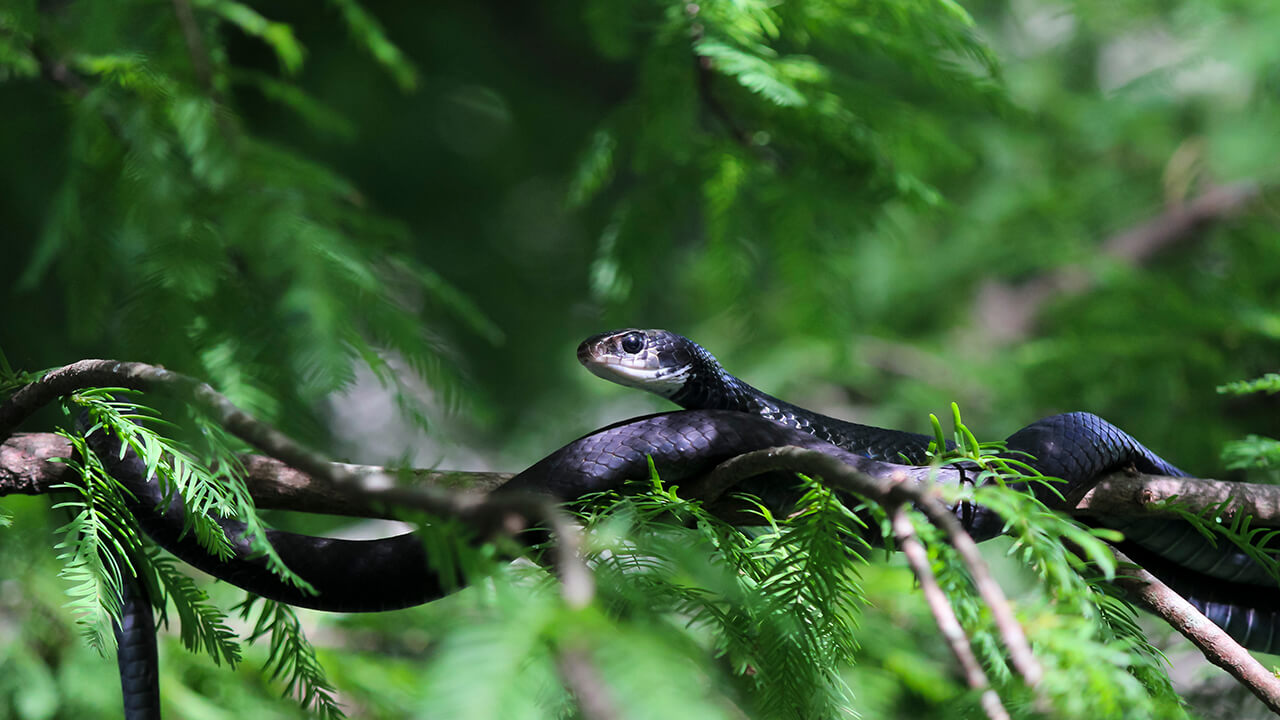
282 199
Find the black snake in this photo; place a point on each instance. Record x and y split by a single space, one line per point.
726 418
1225 584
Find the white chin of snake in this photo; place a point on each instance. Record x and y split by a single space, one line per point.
660 381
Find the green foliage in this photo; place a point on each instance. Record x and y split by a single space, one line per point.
1223 522
738 102
673 597
1252 452
813 586
11 380
1077 617
277 35
208 489
1269 384
103 546
248 263
367 31
291 657
100 536
202 626
746 598
679 587
819 190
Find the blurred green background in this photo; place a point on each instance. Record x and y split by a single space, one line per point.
869 208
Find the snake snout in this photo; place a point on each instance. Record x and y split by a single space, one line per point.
586 351
594 349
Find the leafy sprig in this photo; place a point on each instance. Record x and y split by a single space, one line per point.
103 547
291 657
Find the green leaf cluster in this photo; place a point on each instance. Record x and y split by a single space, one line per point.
1254 452
231 257
820 191
103 547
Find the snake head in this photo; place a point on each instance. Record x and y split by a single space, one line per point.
659 361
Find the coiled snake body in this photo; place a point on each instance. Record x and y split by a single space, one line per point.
727 418
1226 585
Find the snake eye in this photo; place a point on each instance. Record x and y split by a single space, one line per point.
632 343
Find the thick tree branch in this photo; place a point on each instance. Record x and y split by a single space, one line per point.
25 469
1137 494
1213 641
26 463
308 482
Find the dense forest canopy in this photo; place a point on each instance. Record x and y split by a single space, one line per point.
384 228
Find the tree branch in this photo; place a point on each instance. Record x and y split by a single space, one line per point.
1005 312
202 63
25 469
308 482
943 615
1213 641
1127 494
582 678
28 467
487 514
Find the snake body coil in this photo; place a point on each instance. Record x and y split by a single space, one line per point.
729 418
1227 585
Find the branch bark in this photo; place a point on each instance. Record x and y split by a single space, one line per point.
582 678
1217 647
26 469
943 615
27 466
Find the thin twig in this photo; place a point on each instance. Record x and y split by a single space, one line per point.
201 63
702 68
913 549
1024 661
195 44
1005 312
583 680
1213 641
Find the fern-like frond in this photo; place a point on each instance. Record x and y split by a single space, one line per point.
1269 384
207 490
1253 452
97 545
1221 521
278 36
368 32
202 625
291 658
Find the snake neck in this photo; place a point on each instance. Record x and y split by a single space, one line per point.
710 387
